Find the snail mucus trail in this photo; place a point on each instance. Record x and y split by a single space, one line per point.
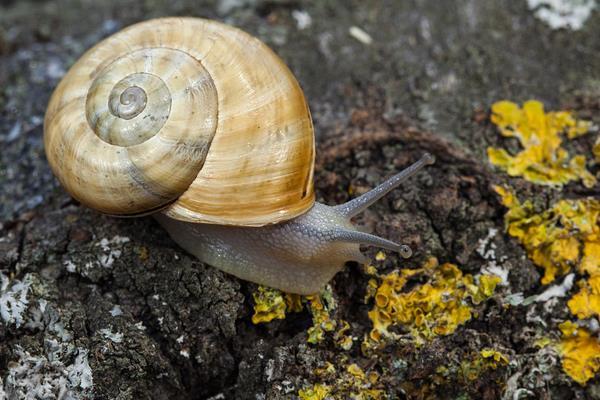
203 125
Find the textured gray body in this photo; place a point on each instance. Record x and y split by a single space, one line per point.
296 256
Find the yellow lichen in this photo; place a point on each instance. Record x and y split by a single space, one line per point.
328 369
472 367
342 338
557 239
542 342
542 160
268 305
586 303
580 352
351 382
562 238
371 289
322 321
315 392
434 308
590 263
293 302
494 357
142 253
485 289
369 269
356 371
471 370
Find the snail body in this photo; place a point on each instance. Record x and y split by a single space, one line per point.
205 127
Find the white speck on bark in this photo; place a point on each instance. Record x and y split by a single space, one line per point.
360 35
562 13
13 299
303 19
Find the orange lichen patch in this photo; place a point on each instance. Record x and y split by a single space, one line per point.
431 309
352 382
542 160
586 303
580 352
557 239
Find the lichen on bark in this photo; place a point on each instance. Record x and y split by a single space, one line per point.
118 298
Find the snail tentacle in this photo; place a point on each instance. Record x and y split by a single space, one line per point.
361 203
352 236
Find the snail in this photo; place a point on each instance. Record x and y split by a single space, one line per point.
202 125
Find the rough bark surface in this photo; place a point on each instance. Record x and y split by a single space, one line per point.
151 322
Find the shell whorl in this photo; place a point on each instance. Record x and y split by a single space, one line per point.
187 114
130 101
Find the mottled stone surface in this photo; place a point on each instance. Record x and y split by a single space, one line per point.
118 298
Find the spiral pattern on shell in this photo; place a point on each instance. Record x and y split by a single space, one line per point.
186 115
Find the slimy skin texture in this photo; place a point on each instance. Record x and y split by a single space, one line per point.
296 256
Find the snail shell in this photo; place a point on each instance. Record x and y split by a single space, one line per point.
186 115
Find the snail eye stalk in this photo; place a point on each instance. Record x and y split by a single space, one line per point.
350 236
361 203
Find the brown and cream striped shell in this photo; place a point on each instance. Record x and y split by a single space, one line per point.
184 115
